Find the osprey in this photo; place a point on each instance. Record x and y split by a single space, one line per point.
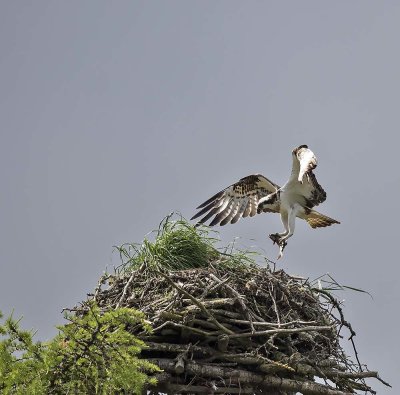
256 194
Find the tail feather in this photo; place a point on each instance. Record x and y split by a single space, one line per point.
318 220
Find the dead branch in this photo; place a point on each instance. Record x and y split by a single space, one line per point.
246 377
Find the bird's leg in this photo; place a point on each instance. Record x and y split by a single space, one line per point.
291 222
276 237
288 221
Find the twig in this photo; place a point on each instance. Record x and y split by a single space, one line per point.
282 331
269 324
239 298
225 313
275 307
125 290
210 303
342 320
213 288
188 328
198 303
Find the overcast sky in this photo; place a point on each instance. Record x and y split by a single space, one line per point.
113 114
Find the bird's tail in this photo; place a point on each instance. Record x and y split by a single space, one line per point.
318 220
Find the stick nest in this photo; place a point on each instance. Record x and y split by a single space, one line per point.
246 319
227 325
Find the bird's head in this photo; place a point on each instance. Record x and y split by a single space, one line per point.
296 150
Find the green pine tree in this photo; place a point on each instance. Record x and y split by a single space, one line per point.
92 354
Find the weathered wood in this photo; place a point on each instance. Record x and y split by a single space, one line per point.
180 364
254 379
223 341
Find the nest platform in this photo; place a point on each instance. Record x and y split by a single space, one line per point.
238 330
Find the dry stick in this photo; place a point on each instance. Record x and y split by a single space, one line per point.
199 389
213 287
125 290
180 363
225 313
97 290
189 328
275 307
237 376
199 304
282 331
355 375
265 363
335 303
210 303
245 359
269 324
179 317
239 298
355 385
179 348
222 343
256 316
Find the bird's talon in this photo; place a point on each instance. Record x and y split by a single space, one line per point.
275 238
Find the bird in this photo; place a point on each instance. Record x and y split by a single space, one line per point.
257 194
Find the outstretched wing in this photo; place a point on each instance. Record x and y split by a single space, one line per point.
238 200
306 163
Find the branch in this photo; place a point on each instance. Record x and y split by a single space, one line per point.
239 298
269 324
200 389
355 375
209 303
213 287
122 299
199 304
345 323
188 328
265 365
282 331
238 376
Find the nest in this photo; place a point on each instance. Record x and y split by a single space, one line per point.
238 329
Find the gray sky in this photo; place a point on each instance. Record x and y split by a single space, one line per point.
113 114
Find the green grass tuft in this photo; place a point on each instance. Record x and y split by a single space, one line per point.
179 245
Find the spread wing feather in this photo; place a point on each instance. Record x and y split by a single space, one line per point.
237 201
317 193
247 209
318 220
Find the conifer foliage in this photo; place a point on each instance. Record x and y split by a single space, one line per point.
92 354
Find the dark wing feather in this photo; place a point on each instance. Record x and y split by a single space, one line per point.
317 193
215 197
237 201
